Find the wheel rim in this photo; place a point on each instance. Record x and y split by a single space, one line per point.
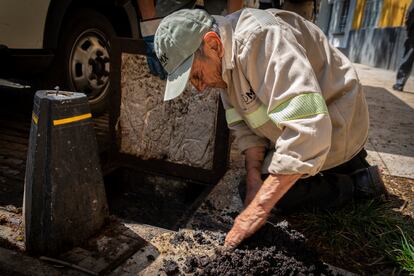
89 64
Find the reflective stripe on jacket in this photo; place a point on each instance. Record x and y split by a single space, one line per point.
289 90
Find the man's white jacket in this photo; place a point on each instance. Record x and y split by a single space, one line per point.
291 92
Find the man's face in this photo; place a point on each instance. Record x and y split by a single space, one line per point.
206 68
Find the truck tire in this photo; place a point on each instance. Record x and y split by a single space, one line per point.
83 55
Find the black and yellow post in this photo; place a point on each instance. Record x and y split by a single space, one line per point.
64 199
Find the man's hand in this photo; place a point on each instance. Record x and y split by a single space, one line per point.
255 215
250 220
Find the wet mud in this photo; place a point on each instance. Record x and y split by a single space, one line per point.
275 249
171 267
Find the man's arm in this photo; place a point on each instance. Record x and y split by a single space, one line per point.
255 215
254 158
245 138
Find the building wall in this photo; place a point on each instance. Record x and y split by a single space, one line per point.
381 44
374 33
393 13
359 12
377 47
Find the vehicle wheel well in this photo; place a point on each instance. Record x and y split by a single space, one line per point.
61 10
114 13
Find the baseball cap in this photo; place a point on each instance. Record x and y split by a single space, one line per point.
177 38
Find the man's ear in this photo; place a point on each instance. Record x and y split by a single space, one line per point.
213 41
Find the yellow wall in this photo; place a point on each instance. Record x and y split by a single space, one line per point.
358 14
392 14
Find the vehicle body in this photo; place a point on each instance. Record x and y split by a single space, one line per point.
66 43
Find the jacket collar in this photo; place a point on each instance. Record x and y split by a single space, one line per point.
226 36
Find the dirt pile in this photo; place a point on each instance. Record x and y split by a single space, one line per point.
171 267
267 261
273 250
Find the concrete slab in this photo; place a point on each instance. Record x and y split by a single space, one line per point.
106 251
390 144
398 165
375 158
384 78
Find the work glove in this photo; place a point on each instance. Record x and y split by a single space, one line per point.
148 29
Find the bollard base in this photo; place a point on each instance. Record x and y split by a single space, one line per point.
64 201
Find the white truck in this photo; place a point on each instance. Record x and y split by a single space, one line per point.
67 43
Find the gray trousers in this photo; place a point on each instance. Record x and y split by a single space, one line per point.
406 62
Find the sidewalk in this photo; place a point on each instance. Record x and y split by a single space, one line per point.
390 144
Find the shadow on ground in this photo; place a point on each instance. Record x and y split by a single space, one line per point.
152 199
391 122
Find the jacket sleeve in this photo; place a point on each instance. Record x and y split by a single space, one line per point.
244 137
279 72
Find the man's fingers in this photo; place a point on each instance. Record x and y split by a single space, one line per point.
229 248
233 238
231 244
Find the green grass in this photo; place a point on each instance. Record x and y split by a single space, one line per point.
405 255
369 237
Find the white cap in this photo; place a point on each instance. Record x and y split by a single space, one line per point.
177 38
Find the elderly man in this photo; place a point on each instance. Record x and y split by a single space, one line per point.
295 105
